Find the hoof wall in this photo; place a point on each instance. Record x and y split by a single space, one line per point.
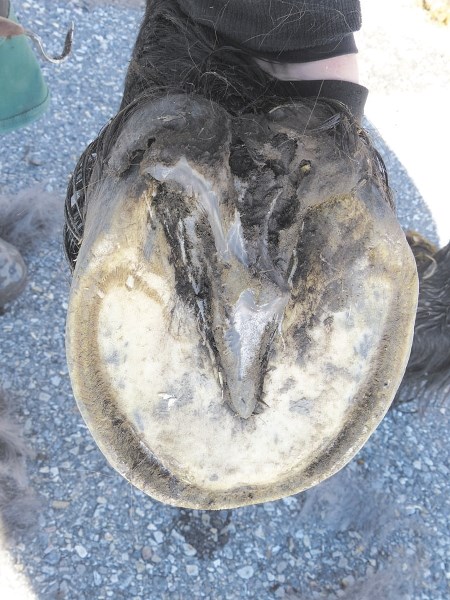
242 307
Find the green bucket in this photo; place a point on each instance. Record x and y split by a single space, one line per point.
24 95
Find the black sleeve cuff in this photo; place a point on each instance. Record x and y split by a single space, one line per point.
353 95
346 45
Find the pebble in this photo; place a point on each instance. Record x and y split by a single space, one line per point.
159 537
189 550
140 566
60 504
81 551
53 557
146 552
192 570
348 581
245 572
282 566
259 532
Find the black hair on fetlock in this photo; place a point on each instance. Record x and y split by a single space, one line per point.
427 376
175 54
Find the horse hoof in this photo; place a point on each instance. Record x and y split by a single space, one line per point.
243 302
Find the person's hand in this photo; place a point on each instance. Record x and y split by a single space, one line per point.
343 68
9 28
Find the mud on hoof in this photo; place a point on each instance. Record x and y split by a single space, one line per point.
243 300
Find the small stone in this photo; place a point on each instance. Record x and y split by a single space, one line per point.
140 566
410 510
246 572
159 537
97 578
290 502
60 504
348 581
146 553
53 557
189 550
306 541
370 571
55 380
64 588
81 551
443 469
281 566
259 532
192 570
177 536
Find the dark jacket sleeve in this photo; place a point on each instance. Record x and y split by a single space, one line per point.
279 27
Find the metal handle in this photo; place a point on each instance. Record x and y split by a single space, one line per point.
9 29
66 50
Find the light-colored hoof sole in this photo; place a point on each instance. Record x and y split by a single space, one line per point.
223 357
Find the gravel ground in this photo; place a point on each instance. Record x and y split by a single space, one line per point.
377 530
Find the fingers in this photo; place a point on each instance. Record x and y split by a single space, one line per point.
9 28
